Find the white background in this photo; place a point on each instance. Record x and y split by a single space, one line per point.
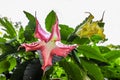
70 12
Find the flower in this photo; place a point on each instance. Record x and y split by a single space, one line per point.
90 28
49 44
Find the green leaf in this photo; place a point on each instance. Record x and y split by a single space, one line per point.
111 72
65 31
12 62
50 20
111 55
4 66
96 38
91 52
29 16
103 49
92 69
58 72
2 40
7 49
81 41
2 77
21 37
73 71
8 27
8 64
30 28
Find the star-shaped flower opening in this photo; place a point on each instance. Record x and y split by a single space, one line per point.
49 44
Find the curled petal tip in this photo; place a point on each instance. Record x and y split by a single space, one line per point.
19 48
40 33
55 35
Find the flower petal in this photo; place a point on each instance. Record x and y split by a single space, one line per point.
63 50
55 35
33 46
46 54
40 33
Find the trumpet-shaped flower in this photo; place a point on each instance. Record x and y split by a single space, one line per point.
90 29
49 44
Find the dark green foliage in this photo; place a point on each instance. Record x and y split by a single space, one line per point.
7 64
73 71
111 72
50 20
2 40
9 44
7 49
4 66
8 28
104 49
91 52
111 55
2 77
81 41
96 38
65 31
30 28
92 69
21 37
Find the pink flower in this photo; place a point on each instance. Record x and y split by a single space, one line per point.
49 44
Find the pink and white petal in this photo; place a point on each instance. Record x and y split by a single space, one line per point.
55 35
47 63
40 33
47 58
61 45
63 50
33 46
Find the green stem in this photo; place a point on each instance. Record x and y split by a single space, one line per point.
43 77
